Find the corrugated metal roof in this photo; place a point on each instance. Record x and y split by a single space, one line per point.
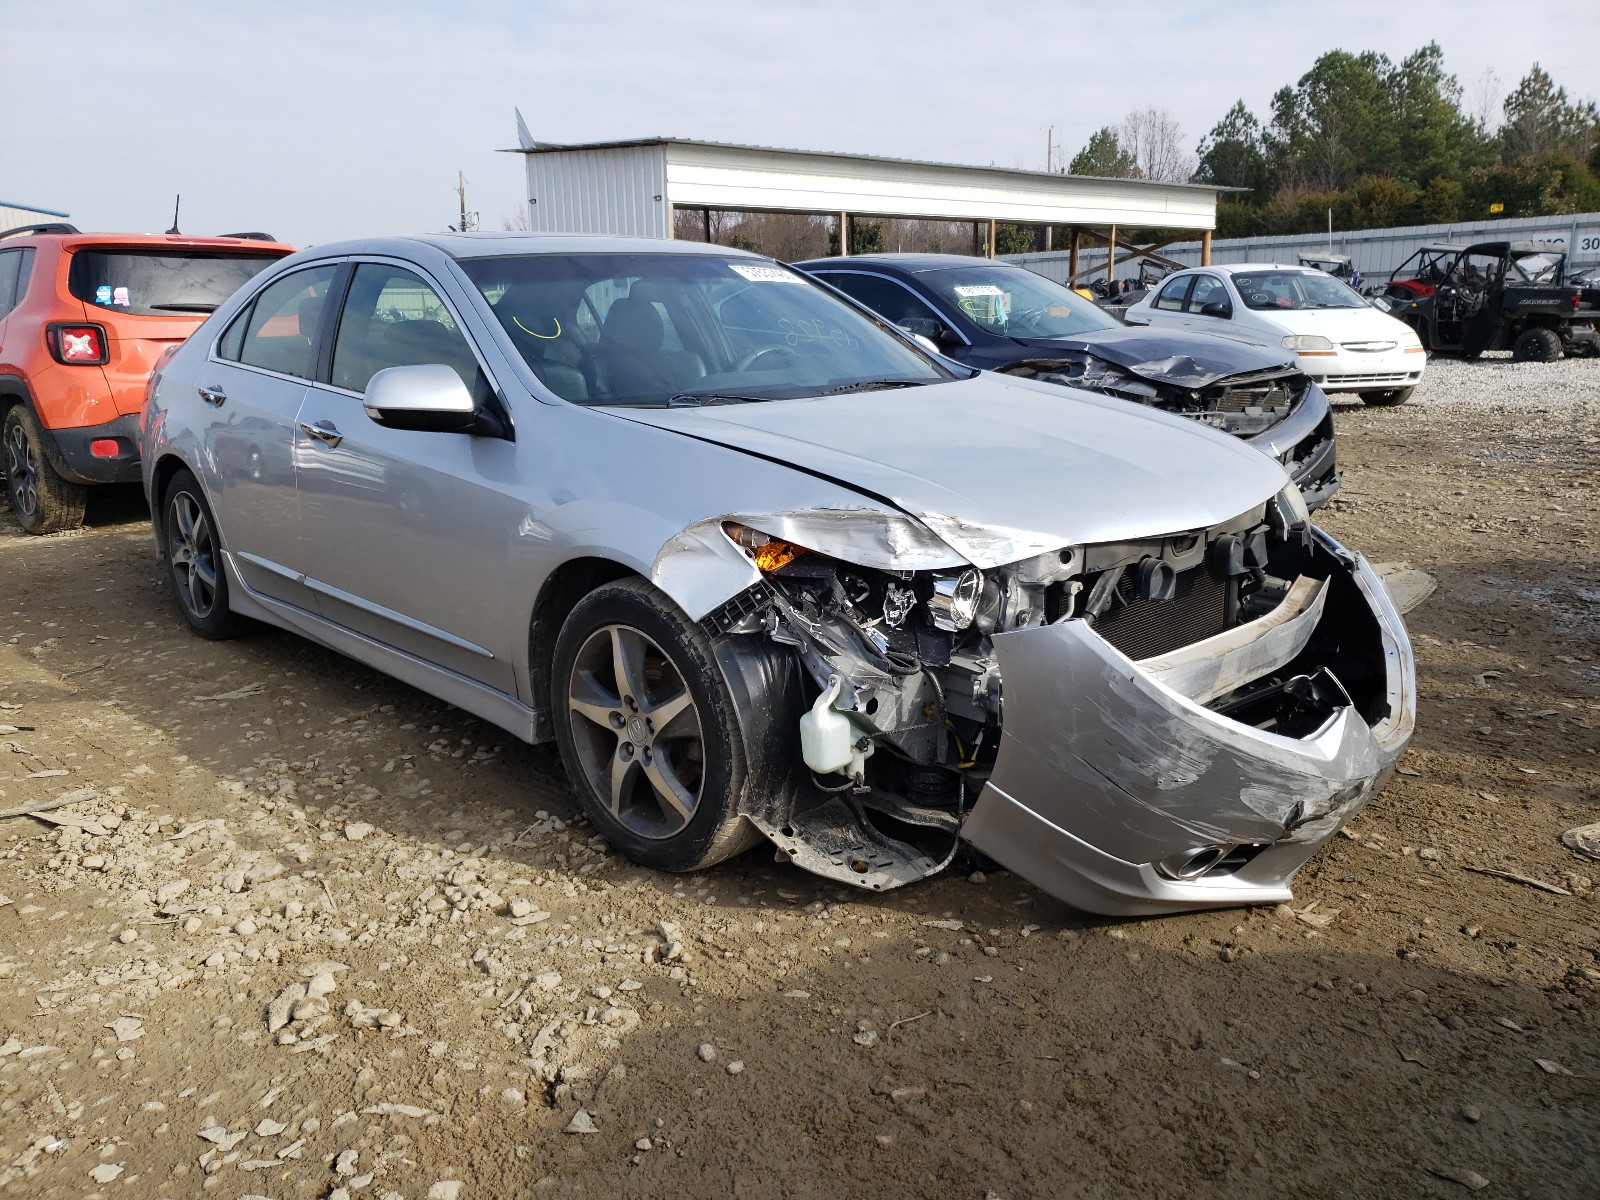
33 208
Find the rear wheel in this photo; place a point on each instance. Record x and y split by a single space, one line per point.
1387 399
43 501
1537 345
193 553
648 731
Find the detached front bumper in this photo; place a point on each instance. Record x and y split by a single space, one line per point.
1107 776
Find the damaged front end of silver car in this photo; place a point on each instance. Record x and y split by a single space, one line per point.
1147 726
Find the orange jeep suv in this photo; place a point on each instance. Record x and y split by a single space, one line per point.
84 319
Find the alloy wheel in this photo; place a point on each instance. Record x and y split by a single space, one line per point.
636 731
22 471
192 551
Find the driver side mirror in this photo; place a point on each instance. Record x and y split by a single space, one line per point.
1217 308
428 397
927 327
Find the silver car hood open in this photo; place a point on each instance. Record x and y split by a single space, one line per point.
999 468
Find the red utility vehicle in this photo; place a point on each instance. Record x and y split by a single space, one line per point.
84 319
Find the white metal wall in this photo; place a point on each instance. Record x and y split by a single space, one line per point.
12 215
615 191
738 177
1375 252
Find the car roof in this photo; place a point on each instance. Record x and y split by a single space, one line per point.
81 240
911 264
1236 268
502 245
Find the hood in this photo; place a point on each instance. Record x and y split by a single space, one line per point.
1336 324
1176 357
1002 468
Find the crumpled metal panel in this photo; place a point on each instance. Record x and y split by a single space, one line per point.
1103 771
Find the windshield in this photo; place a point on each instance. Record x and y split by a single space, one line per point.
1295 289
1014 302
161 282
657 329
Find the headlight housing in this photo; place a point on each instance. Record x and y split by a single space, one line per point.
1307 343
954 602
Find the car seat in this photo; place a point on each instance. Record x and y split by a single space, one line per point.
545 342
633 362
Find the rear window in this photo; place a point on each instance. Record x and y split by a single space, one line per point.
160 282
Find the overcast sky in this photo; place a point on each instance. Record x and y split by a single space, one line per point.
322 120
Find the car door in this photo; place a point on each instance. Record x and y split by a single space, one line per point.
1166 310
1201 311
404 532
255 381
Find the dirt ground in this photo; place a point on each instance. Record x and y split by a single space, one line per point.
270 820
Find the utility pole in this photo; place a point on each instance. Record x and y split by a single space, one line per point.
461 190
1049 150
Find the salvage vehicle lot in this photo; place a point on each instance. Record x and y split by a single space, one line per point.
1382 1036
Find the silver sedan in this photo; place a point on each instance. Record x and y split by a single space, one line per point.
764 568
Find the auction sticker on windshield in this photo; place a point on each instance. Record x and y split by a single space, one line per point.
978 289
766 274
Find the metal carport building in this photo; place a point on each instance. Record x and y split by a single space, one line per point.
635 188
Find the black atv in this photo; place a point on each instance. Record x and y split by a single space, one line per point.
1504 295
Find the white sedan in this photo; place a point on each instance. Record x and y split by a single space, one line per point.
1341 341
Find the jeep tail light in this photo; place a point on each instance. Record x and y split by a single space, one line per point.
76 344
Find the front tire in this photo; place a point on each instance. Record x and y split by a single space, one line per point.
192 550
648 731
43 501
1537 345
1388 399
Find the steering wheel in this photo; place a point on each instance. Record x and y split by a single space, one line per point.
760 352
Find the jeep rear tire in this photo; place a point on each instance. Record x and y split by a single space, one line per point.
42 500
1537 345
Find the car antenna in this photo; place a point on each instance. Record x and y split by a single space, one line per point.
177 200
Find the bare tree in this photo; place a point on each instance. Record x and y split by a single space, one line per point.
1155 141
1487 93
516 220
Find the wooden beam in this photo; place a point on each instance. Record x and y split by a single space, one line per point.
991 237
1205 248
1111 254
1049 231
1072 253
1133 252
844 233
705 213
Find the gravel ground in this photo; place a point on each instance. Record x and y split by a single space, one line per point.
314 934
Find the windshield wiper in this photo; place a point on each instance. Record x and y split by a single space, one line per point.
874 385
185 307
693 400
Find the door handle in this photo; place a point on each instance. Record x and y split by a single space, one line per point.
323 431
213 395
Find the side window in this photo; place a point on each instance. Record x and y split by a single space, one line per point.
1170 298
15 268
10 261
230 343
1208 289
890 300
392 318
280 332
